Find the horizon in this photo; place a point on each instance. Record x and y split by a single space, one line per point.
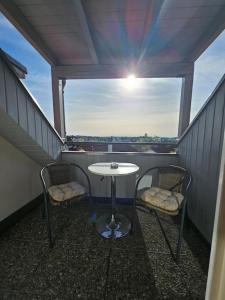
76 135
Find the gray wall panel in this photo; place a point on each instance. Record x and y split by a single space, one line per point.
38 127
204 200
217 136
22 108
11 95
208 136
50 133
31 120
34 135
202 158
2 87
45 135
192 166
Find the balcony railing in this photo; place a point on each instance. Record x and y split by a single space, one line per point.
125 184
95 146
145 155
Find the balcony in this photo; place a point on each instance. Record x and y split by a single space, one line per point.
82 264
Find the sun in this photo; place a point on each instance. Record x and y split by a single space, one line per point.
131 82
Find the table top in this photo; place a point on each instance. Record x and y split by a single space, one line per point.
104 169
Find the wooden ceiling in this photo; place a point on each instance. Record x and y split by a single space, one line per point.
118 35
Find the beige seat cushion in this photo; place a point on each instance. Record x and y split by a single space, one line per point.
63 192
162 199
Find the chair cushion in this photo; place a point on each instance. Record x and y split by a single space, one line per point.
66 191
162 199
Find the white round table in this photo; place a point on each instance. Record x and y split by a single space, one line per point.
116 225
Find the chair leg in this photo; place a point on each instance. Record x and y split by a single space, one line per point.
133 216
47 216
91 200
179 242
43 211
92 211
165 236
175 257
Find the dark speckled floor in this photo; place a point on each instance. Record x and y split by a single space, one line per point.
82 265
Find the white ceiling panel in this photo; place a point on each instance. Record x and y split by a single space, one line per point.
110 32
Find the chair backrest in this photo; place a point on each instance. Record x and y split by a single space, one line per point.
174 178
59 173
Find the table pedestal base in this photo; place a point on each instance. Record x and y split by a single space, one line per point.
114 226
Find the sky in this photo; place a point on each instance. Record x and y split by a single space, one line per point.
115 107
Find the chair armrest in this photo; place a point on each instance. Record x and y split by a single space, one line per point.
43 180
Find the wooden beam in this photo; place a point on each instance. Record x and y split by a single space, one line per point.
185 103
150 70
16 17
58 104
208 36
80 13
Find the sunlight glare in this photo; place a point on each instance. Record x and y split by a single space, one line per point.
131 82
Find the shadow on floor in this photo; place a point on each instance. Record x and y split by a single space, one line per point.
82 265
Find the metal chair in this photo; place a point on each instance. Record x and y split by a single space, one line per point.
167 194
60 188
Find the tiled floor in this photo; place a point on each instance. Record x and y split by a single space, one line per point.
82 265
